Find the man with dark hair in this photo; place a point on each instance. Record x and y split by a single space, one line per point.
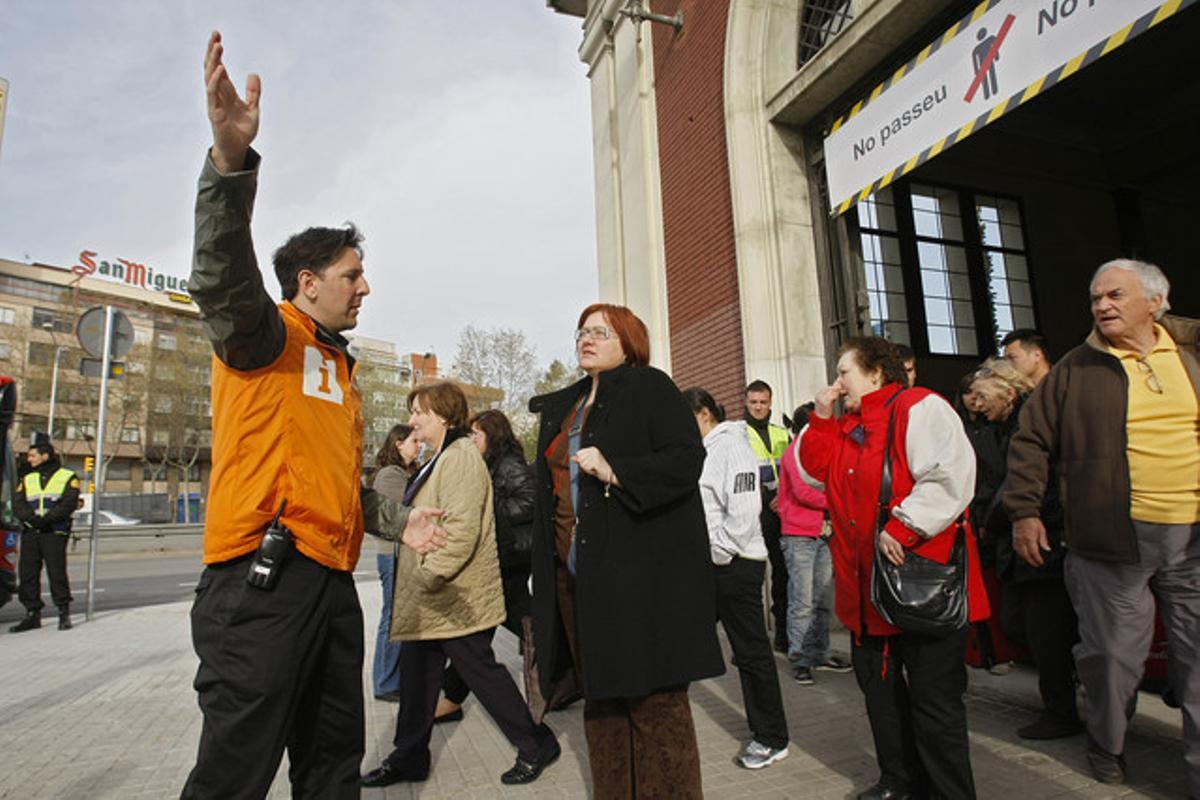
909 359
1025 349
276 621
44 500
769 443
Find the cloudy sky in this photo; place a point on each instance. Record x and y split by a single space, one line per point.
455 133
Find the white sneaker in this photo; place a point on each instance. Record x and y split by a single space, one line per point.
756 756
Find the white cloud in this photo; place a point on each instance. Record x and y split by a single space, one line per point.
456 134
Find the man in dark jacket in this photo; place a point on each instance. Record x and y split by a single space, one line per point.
769 443
44 500
1119 415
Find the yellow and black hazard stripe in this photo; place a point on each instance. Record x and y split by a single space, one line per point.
926 52
1056 75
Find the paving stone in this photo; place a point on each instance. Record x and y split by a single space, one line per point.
112 714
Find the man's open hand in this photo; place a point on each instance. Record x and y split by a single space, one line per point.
234 120
422 533
1030 540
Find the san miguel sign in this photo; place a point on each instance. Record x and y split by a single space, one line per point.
1002 54
129 272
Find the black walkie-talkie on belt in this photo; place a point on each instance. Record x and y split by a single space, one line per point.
272 552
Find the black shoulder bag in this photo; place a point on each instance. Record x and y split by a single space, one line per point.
920 595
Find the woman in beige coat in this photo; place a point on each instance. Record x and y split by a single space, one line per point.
447 604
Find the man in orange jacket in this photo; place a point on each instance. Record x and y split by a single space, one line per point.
276 622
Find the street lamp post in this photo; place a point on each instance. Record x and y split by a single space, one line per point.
58 348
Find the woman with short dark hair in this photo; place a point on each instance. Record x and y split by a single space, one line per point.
732 504
913 683
512 499
448 602
623 584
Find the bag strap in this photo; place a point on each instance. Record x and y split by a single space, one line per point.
885 483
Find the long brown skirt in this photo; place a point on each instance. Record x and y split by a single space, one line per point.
638 747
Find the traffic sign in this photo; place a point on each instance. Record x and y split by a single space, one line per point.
90 332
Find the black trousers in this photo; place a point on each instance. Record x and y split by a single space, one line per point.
914 686
1039 615
772 530
278 668
517 605
739 608
422 664
38 547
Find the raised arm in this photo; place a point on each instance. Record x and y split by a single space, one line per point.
240 318
234 120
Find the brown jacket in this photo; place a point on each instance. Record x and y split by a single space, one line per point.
1076 418
456 590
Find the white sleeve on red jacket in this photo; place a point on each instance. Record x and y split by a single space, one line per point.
795 455
942 463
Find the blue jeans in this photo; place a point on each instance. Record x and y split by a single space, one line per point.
386 672
810 580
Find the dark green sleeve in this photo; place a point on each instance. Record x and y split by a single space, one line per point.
241 319
383 516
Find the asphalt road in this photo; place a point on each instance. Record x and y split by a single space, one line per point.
132 580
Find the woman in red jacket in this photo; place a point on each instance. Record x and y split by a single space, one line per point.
913 684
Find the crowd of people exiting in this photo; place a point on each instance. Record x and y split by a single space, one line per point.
1058 501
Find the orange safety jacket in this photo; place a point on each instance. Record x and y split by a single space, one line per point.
291 430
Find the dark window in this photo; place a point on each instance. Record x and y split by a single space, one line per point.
47 319
946 270
41 354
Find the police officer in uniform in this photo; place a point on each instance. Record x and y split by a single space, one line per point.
44 501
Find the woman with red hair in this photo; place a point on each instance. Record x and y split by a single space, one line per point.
623 584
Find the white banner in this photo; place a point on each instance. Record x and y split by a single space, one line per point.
1014 44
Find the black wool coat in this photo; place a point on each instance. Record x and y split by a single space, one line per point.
645 597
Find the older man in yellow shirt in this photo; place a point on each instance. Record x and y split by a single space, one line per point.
1120 416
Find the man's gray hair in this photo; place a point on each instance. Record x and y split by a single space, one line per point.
1154 282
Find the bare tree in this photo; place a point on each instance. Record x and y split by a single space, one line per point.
500 358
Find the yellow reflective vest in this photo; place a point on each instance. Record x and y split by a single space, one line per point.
768 460
40 496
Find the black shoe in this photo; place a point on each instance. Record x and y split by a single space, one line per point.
385 775
882 792
1048 726
528 771
454 716
1106 767
33 619
64 619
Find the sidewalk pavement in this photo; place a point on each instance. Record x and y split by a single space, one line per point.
107 711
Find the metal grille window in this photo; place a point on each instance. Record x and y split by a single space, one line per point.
881 260
820 21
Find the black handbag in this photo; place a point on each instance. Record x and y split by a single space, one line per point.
920 595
